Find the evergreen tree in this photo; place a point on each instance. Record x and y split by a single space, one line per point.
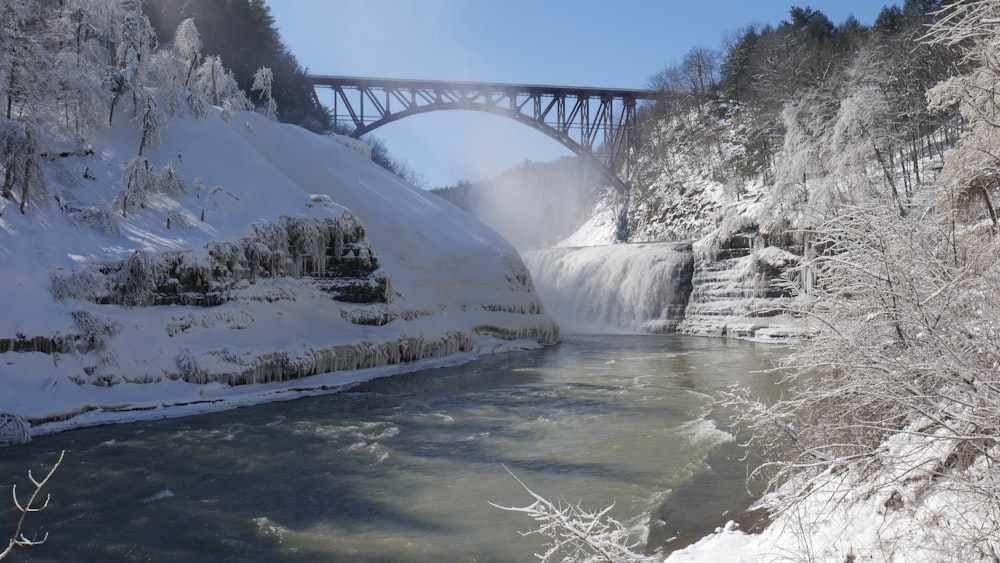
734 72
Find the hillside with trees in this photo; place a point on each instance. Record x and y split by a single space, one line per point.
149 201
244 38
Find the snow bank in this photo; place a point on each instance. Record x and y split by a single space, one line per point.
269 254
923 502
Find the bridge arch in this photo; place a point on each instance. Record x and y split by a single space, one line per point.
581 119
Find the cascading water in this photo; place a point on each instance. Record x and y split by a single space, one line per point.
623 288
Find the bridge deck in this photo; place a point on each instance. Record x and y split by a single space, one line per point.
369 82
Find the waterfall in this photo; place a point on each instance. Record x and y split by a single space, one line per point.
619 288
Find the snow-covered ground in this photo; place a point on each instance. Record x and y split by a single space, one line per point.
914 510
450 287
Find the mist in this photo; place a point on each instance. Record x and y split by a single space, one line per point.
533 205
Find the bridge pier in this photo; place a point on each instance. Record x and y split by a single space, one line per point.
622 232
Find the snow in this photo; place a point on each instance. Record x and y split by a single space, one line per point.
454 288
909 512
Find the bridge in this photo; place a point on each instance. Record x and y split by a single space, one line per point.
595 123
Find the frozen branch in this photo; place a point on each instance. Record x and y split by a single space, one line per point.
18 539
576 534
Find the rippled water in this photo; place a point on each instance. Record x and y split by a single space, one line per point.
403 468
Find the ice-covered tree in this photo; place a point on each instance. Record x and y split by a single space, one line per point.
219 86
971 167
263 81
898 391
24 176
138 183
133 42
906 351
26 64
151 124
80 35
170 182
187 43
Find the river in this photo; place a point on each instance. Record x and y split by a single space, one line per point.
403 468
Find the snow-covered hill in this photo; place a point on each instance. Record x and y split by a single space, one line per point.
273 255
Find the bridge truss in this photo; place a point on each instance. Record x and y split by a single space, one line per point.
596 123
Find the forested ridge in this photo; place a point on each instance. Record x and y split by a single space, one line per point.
831 99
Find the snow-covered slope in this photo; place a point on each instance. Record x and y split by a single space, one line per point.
232 277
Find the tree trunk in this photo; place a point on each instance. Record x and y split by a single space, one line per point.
114 102
25 185
989 204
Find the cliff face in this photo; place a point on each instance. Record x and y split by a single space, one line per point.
741 288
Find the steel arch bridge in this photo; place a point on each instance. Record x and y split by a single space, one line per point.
596 123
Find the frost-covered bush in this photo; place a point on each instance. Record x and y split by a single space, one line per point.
137 280
170 182
908 342
13 430
179 220
101 217
88 283
95 329
189 369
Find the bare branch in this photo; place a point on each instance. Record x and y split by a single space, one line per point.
18 539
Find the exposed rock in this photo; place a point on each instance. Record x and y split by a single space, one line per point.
741 289
332 253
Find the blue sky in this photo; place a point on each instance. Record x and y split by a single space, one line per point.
579 42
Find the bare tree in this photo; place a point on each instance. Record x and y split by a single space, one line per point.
700 67
139 183
132 44
187 43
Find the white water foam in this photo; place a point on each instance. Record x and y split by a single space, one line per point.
165 493
623 288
